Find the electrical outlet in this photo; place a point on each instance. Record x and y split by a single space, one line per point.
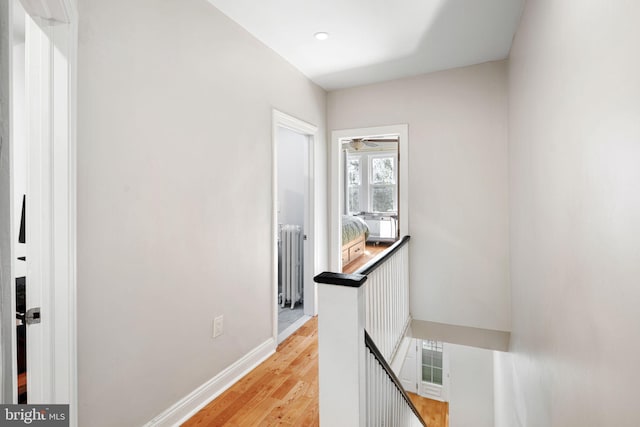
217 326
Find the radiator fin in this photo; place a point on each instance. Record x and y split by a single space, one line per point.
291 264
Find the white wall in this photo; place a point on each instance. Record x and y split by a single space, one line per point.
458 204
471 386
293 177
575 217
174 199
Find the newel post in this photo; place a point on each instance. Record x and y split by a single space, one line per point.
341 350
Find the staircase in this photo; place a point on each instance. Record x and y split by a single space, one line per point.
362 318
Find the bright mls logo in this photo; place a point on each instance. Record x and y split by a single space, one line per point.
34 415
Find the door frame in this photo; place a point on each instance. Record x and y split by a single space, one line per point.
51 183
311 256
337 178
423 388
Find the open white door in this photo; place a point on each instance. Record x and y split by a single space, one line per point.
38 262
43 173
409 376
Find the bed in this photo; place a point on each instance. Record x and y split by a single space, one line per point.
354 235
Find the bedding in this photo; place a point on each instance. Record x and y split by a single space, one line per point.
352 228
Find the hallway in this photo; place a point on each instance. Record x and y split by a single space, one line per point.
283 391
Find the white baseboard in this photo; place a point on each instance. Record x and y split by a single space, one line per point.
186 407
292 328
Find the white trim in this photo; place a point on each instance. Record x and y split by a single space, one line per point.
189 405
337 178
51 205
63 296
71 32
10 395
292 328
283 120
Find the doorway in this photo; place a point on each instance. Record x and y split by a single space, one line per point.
424 374
294 243
369 185
425 370
370 188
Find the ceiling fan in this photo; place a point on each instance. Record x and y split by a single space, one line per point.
358 143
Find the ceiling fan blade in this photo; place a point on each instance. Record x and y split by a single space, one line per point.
358 143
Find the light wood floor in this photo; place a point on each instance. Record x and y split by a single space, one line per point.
370 252
283 391
435 413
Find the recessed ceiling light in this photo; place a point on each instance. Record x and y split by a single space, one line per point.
321 35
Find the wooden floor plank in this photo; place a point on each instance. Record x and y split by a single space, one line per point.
278 392
253 416
371 251
434 412
283 391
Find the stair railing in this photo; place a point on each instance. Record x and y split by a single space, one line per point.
362 318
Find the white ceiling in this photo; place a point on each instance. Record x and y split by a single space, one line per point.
377 40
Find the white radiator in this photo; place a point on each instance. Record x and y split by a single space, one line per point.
382 228
291 263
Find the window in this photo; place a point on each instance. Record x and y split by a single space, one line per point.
371 183
432 362
354 183
382 184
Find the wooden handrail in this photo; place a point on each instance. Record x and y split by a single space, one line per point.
351 280
372 265
392 376
358 278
